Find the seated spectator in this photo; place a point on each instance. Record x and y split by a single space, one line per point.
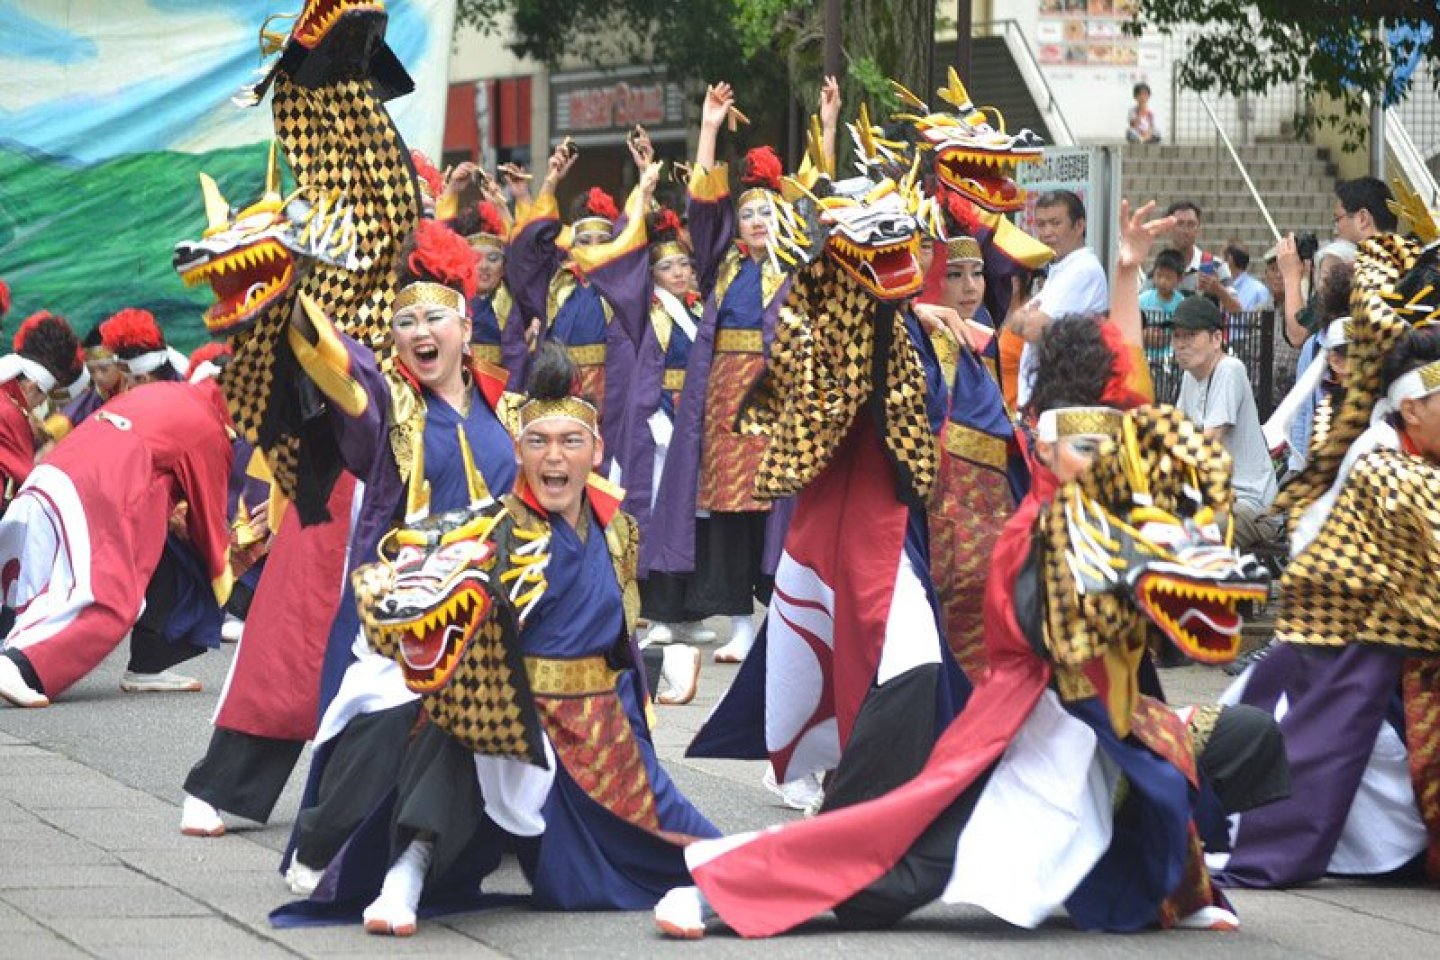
1251 293
1141 125
1164 294
1215 392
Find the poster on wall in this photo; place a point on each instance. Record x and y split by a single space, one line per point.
109 109
1086 33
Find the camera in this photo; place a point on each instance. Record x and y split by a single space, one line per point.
1306 244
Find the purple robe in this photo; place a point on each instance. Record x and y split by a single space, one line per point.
488 329
670 547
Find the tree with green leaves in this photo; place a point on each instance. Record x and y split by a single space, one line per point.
771 51
1340 48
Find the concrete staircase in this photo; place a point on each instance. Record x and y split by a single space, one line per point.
1296 181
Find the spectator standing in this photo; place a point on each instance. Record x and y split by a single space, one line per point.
1204 272
1141 125
1305 323
1215 393
1361 209
1164 294
1252 294
1074 284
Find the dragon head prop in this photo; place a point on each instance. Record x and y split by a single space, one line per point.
252 257
870 225
445 600
972 157
330 41
1142 538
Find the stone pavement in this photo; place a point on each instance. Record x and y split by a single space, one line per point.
92 863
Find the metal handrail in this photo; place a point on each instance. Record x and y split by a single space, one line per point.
1051 108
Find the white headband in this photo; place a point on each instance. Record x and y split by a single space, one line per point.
1077 422
13 365
146 362
1418 383
76 387
1338 333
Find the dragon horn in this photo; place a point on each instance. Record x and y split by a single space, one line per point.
272 174
954 92
217 209
907 97
474 482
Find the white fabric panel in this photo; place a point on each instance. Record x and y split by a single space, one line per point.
1383 830
793 673
1042 822
46 531
912 638
515 792
371 684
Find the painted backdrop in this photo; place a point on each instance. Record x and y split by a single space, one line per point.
109 109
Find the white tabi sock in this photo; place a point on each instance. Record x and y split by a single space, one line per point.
393 911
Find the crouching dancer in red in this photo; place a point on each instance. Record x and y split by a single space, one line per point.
82 538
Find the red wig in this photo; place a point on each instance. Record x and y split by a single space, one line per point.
442 255
762 168
430 177
490 220
601 204
133 331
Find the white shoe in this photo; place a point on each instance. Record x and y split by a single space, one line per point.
302 880
14 689
162 682
199 819
393 912
658 635
231 629
695 631
796 794
1209 918
682 913
680 671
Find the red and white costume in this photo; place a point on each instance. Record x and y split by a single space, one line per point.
80 541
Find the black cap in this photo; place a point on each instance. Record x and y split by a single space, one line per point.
1197 313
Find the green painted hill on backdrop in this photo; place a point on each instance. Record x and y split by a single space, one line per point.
84 242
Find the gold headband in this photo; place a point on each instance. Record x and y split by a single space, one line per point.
1063 422
960 249
429 293
485 241
665 249
592 225
99 353
755 193
568 408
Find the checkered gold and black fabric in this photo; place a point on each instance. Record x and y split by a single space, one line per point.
1169 454
337 139
1369 576
1377 321
825 366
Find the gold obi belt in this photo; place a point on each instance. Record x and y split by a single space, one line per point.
554 677
739 341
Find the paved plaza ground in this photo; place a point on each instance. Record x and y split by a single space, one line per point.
92 863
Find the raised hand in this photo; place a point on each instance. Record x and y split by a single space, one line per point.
830 103
719 99
560 162
649 177
1138 234
642 151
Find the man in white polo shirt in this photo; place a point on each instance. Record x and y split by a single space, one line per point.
1074 286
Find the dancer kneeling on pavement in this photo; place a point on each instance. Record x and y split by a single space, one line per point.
513 621
1058 785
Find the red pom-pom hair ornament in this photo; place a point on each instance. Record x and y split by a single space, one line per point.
444 256
601 204
665 225
207 352
133 331
491 221
762 168
27 325
430 178
4 299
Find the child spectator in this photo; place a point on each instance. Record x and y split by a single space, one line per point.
1142 126
1164 294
